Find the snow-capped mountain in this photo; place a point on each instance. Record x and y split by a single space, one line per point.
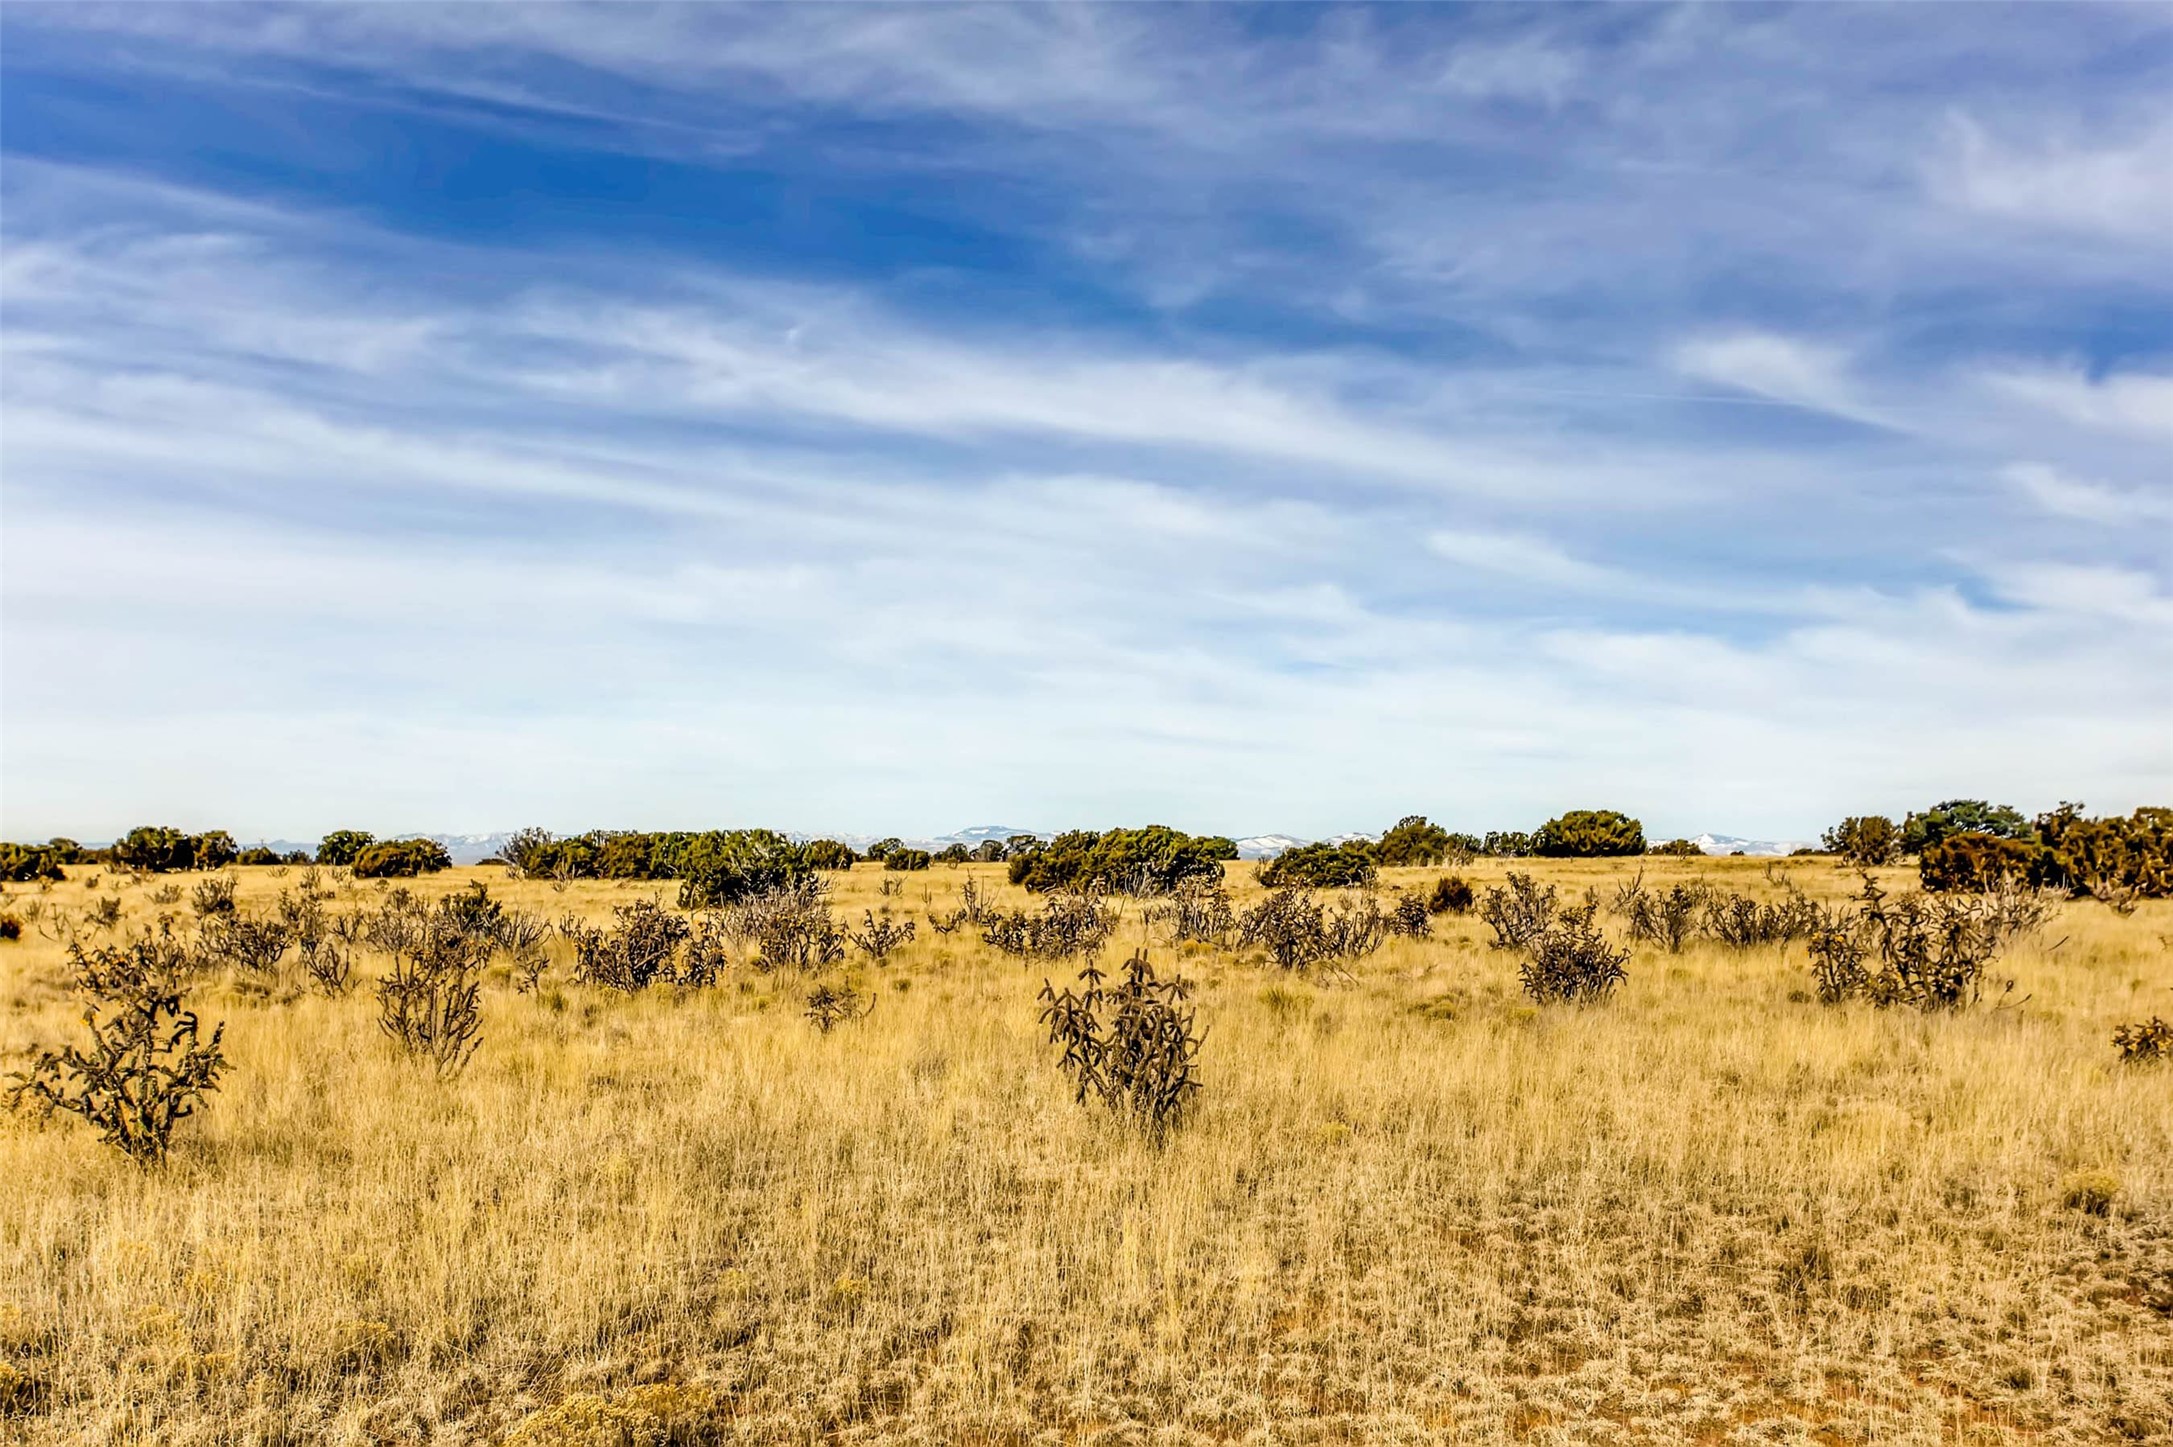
980 833
1729 844
1267 846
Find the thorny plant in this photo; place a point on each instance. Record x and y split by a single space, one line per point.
1297 931
1131 1046
147 1067
1926 952
212 897
1408 918
105 914
430 1002
2144 1041
972 910
1571 960
1069 925
830 1006
251 946
1519 913
525 941
790 927
1668 920
880 934
1197 911
639 948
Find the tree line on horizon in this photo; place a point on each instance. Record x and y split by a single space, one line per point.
1960 844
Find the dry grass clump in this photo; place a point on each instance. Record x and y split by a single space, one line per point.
1406 1206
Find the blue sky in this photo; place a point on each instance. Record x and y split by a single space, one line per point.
1272 419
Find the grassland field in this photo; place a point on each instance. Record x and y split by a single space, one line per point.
1409 1207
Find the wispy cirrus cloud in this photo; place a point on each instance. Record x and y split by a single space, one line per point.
1645 403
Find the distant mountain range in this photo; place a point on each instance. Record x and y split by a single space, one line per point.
1729 844
474 848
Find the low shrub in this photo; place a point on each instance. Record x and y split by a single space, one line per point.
248 945
907 859
1297 931
213 897
1923 951
789 927
1452 894
1677 849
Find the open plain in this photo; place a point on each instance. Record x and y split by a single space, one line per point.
1407 1205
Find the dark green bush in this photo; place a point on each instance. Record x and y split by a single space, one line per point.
827 854
881 849
1864 840
1975 863
1677 849
726 866
258 854
1588 834
164 850
22 863
989 851
2114 859
401 859
1152 860
1414 840
1921 831
954 854
903 858
1505 844
342 845
1321 866
623 855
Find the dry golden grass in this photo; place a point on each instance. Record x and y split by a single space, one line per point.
1410 1208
